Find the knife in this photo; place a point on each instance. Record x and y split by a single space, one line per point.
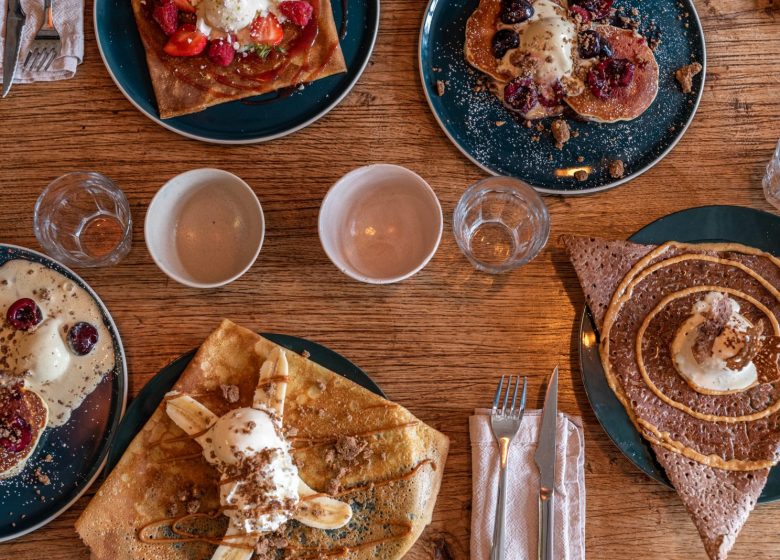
545 460
14 22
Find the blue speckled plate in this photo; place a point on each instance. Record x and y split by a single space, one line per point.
696 225
144 405
237 122
469 118
79 448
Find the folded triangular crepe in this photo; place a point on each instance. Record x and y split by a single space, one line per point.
347 441
716 448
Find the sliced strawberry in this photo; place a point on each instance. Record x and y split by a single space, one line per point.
267 30
297 11
185 6
187 41
166 14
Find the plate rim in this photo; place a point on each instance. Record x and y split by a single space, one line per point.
586 316
255 140
124 381
545 190
273 337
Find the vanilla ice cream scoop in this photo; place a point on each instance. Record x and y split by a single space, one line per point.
230 15
243 431
713 374
44 352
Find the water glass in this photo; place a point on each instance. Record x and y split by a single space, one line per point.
500 223
83 219
772 179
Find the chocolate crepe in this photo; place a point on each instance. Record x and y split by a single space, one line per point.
716 448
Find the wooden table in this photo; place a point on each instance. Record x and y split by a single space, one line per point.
436 342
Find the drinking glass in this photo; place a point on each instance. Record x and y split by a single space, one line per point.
83 219
772 179
500 223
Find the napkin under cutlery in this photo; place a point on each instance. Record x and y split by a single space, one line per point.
522 516
68 18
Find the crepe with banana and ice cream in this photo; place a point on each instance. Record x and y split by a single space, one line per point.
257 449
689 342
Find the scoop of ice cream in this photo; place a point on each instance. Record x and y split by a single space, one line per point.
259 482
230 15
43 352
710 370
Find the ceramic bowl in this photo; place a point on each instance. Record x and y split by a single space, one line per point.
204 228
380 224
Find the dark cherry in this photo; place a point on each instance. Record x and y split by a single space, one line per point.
552 96
610 74
598 9
516 11
21 434
589 43
504 40
24 314
82 338
521 95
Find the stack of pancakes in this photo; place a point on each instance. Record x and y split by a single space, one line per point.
625 103
716 446
391 482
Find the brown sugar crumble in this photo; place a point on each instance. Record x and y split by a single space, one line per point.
685 76
581 175
617 169
306 354
561 132
42 477
230 393
440 87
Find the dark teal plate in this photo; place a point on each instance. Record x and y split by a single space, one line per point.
237 122
79 448
468 118
142 407
696 225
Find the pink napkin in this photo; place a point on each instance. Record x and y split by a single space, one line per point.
68 16
522 516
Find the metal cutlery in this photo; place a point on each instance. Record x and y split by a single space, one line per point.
46 45
14 22
545 460
505 423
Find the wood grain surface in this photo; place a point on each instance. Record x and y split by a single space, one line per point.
437 342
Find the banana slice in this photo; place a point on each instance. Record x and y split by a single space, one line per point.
190 415
321 512
236 552
270 391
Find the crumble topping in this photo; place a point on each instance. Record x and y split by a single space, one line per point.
616 169
230 393
561 132
581 175
685 76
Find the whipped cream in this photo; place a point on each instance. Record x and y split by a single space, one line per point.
547 40
713 373
220 18
258 482
41 356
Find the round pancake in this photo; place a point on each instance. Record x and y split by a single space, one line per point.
29 406
478 48
629 102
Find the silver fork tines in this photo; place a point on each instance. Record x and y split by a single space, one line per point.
46 45
505 423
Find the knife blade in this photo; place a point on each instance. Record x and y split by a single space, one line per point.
14 22
545 460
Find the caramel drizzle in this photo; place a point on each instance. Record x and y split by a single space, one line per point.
322 441
312 552
387 481
185 536
179 458
271 380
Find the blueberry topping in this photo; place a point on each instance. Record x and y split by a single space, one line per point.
17 434
608 75
516 11
24 314
82 338
521 95
505 40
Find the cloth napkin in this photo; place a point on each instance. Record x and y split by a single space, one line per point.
68 20
522 513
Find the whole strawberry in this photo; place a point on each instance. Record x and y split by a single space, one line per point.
297 11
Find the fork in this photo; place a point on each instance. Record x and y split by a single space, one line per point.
46 45
505 423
